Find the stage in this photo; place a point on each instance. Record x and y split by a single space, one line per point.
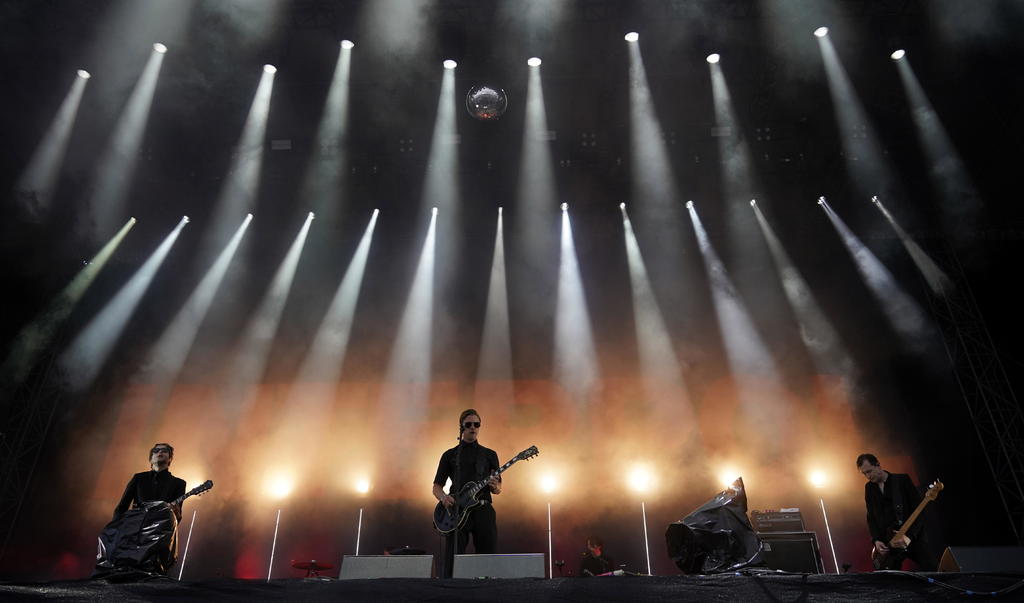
888 586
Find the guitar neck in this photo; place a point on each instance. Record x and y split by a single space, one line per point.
910 520
480 485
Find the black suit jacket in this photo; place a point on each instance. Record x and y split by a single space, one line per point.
891 508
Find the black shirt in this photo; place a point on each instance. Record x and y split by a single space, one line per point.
881 505
476 462
150 486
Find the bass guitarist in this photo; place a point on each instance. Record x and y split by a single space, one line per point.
465 463
890 498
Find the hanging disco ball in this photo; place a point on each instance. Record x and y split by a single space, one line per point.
486 103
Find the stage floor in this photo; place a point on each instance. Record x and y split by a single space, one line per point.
880 586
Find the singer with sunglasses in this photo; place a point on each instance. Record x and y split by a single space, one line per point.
468 462
157 484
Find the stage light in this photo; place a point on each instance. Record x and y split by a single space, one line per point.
159 48
640 479
248 216
347 44
713 58
753 203
898 54
270 69
817 478
689 204
622 206
311 215
280 487
728 475
548 484
449 64
433 211
533 61
874 199
821 201
362 486
564 206
632 36
499 210
82 73
821 32
185 218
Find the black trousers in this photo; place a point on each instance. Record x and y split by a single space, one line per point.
482 524
921 553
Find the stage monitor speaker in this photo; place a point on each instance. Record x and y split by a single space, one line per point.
518 565
791 551
354 567
1008 559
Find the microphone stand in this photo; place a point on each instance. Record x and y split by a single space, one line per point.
458 476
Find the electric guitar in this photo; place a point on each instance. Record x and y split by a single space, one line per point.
449 519
894 558
203 487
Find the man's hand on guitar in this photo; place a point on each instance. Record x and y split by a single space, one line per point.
447 501
494 484
901 543
881 547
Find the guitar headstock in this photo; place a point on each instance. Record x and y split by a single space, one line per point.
527 454
933 490
203 487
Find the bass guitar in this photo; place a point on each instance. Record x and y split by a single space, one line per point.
449 519
893 559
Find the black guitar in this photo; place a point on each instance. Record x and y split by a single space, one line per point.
449 519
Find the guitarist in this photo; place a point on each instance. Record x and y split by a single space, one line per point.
890 498
468 462
157 484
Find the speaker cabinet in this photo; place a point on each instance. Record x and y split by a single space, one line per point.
521 565
354 567
1008 559
791 551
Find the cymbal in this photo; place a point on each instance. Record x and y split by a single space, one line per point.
311 565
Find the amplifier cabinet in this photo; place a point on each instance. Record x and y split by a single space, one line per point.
791 551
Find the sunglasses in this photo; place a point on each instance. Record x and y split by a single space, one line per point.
469 424
156 450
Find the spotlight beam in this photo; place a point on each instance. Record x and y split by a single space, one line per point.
903 313
37 335
820 338
38 180
325 174
865 162
496 346
117 164
89 351
252 351
960 202
575 357
238 193
937 280
170 351
752 366
658 361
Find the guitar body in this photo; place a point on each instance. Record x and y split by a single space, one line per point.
447 520
893 560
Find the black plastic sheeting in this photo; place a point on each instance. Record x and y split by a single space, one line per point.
717 537
141 540
768 586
